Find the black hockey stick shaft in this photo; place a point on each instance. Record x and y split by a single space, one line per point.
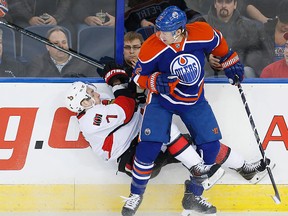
276 198
47 42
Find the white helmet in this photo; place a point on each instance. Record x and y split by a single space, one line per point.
75 94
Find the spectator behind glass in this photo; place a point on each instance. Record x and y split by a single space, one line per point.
143 13
9 66
262 10
132 44
242 34
85 12
41 12
55 63
203 6
274 30
278 69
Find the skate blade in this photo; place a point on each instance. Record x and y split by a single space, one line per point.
194 213
259 176
208 183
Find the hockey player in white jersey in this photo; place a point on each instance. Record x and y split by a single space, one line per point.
112 126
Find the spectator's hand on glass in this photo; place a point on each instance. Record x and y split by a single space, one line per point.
214 62
145 23
111 21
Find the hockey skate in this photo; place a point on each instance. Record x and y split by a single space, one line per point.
254 172
131 204
195 204
207 175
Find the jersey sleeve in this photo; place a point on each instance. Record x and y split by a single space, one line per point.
128 106
211 38
147 60
222 49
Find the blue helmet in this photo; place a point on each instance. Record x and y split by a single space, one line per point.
171 19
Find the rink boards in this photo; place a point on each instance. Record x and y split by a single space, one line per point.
45 165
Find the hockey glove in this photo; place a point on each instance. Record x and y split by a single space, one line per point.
160 83
113 72
232 67
140 98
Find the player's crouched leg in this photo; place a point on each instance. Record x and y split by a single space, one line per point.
205 175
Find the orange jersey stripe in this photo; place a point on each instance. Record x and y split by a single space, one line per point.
142 172
189 99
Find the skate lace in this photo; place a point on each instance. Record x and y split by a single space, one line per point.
252 167
203 201
132 201
200 168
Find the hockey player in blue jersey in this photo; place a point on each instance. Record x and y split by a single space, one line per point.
170 66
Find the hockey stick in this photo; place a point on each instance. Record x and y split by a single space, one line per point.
276 197
47 42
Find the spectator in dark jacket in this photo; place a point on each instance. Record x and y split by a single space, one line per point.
56 63
9 66
40 12
242 34
143 13
85 12
26 13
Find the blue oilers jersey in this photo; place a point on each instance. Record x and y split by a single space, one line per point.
185 60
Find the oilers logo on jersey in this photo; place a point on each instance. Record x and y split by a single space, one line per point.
187 67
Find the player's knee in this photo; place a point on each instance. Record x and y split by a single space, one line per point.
210 151
147 152
178 145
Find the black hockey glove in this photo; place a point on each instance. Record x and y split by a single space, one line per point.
140 98
114 74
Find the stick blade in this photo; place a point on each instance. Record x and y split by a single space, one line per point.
276 199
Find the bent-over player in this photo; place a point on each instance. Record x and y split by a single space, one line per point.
112 126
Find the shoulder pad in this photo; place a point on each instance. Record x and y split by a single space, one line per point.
200 31
151 48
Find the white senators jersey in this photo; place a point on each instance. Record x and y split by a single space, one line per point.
104 127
